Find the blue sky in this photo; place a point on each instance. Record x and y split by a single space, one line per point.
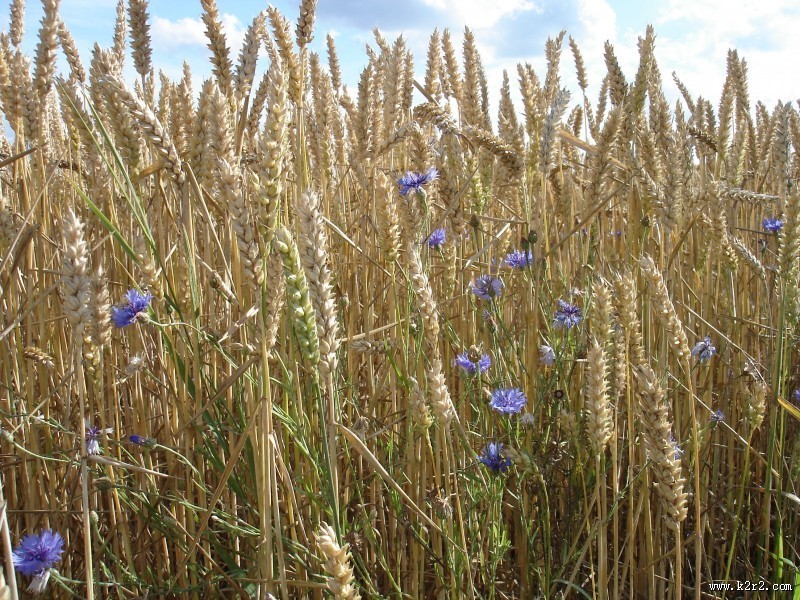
692 36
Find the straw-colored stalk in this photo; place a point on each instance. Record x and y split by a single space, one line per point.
77 306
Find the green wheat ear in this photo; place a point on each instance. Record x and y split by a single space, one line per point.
298 298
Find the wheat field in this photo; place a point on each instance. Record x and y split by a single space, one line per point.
263 336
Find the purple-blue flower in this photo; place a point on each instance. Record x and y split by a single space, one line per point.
772 225
568 315
38 553
547 356
675 447
135 303
471 362
704 349
519 259
437 238
93 435
796 396
142 441
508 400
493 458
413 182
487 287
717 416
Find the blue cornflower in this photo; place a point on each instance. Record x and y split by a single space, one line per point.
437 238
676 448
93 438
487 287
568 315
717 416
547 356
471 362
36 555
772 225
493 457
704 349
413 182
508 400
519 259
142 441
135 303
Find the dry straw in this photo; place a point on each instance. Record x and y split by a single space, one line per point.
292 236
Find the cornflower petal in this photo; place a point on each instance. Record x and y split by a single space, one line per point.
547 356
472 366
704 350
508 400
437 238
772 225
568 315
413 182
493 458
135 304
37 553
487 287
519 259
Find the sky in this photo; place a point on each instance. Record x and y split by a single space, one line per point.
692 36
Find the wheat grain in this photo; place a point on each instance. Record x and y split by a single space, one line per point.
661 447
664 308
283 38
39 356
298 297
222 66
248 56
305 22
617 86
17 21
333 64
599 421
45 63
138 20
313 249
451 77
152 128
552 79
71 52
425 300
75 282
418 408
580 66
336 562
273 146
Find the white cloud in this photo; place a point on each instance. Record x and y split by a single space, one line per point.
731 17
234 32
168 34
598 24
480 14
764 33
183 32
